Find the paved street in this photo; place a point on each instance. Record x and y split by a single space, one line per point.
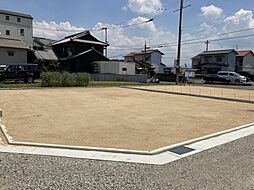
230 166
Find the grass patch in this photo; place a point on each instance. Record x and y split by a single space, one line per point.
11 84
117 84
38 84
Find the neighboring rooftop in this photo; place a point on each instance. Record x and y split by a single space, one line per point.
214 52
45 54
15 14
12 43
143 52
243 53
82 37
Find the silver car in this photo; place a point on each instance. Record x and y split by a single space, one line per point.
232 76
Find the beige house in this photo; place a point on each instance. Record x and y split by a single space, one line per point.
245 61
210 62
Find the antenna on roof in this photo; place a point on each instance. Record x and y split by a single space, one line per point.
207 45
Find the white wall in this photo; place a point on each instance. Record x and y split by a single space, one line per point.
248 63
155 60
231 59
20 56
15 27
116 67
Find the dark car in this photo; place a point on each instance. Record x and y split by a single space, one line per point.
25 72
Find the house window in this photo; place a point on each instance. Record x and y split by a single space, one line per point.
22 32
11 53
148 58
124 69
8 32
218 59
7 17
18 19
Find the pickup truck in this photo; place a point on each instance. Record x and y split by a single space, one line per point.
225 76
25 72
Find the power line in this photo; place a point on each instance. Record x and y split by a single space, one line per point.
215 40
100 29
206 37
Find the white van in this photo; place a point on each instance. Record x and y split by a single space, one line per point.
232 76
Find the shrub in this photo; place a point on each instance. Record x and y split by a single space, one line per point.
55 79
82 79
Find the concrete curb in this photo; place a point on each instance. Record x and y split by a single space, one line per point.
10 141
193 95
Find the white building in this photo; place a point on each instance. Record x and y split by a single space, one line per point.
152 57
116 67
16 36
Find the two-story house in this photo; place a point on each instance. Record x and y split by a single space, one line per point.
78 52
245 62
16 36
146 58
213 61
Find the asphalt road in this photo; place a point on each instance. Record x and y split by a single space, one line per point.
229 166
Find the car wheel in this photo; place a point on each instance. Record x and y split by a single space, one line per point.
30 80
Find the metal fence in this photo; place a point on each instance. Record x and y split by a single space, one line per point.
237 94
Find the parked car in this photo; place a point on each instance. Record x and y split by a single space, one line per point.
25 72
225 76
232 76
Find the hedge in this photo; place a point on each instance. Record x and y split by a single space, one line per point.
56 79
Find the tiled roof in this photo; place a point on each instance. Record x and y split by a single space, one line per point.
45 54
243 53
12 43
86 52
78 38
215 52
143 52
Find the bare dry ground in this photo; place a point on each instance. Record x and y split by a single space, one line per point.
115 117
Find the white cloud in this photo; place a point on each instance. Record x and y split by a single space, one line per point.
53 30
150 26
240 20
211 12
144 6
207 29
122 43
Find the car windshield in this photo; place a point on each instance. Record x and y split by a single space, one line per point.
2 67
237 74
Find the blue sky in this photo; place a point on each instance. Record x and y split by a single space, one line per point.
203 18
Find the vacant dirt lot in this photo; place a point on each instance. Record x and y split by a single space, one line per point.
115 117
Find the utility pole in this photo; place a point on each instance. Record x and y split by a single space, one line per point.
106 40
144 62
178 62
207 45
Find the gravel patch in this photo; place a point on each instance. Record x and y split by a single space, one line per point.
229 166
